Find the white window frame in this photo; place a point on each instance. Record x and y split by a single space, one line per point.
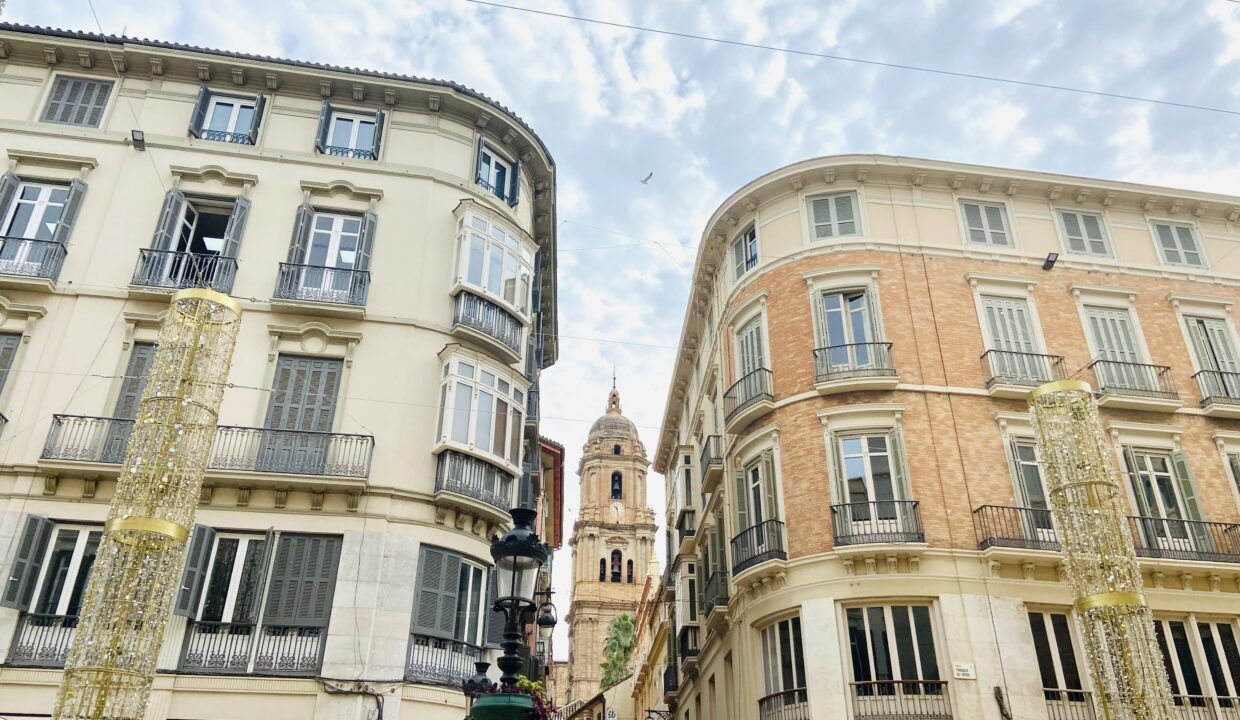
772 649
237 103
71 572
476 599
1057 652
234 580
1103 225
936 635
743 238
1109 298
833 225
357 118
335 234
512 245
41 204
1005 213
1199 644
454 375
489 171
1194 232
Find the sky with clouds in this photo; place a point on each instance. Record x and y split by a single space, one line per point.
614 105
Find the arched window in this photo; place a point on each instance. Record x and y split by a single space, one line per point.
615 449
615 565
602 569
617 485
630 569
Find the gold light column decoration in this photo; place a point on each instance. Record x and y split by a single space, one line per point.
137 570
1088 504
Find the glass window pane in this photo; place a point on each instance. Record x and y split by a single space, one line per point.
56 571
994 217
221 116
245 606
19 226
83 573
858 646
486 406
342 131
473 272
1184 653
785 656
904 642
883 667
925 643
217 585
460 412
1067 653
245 117
1042 647
365 135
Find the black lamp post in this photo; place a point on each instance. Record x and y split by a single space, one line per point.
478 683
519 556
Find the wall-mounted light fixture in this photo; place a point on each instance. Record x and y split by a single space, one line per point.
1049 262
139 139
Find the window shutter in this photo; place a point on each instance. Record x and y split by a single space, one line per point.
898 469
302 222
1130 460
169 217
1018 483
264 569
478 160
1184 476
236 227
282 590
768 484
260 101
495 618
9 343
514 183
318 581
64 226
844 214
742 508
27 561
1233 459
194 577
435 599
370 222
134 382
822 217
325 125
8 190
199 118
374 148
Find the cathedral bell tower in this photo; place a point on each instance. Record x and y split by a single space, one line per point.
612 541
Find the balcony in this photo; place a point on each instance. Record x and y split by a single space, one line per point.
1220 393
1185 539
1205 707
83 438
712 463
30 264
1000 526
481 319
852 367
1134 386
688 643
42 640
242 648
686 529
236 138
786 705
168 270
880 522
440 661
758 544
671 684
715 594
1069 704
348 152
749 398
335 291
1011 374
473 486
893 699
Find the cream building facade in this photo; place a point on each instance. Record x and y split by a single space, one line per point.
392 242
612 542
860 526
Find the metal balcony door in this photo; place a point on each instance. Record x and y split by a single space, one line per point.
1038 523
1164 506
1212 342
749 342
1116 342
299 418
846 330
1011 333
132 385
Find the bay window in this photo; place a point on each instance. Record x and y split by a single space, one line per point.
482 408
495 261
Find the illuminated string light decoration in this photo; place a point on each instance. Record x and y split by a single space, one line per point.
1087 502
137 569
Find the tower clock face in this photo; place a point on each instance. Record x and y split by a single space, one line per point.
617 508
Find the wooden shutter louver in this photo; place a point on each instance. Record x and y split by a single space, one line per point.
435 597
377 141
68 216
256 120
325 124
166 230
194 577
8 191
198 119
299 245
303 581
27 561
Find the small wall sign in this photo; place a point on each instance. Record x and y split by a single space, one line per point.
963 671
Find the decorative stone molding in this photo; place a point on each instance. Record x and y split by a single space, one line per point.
1216 582
157 66
341 187
314 338
119 64
358 92
893 564
281 498
351 501
21 315
863 174
204 73
914 564
1159 579
441 515
1028 569
870 563
482 121
1061 573
22 161
1175 206
213 173
325 88
90 485
918 178
983 184
272 81
243 496
50 484
86 59
1081 196
316 499
797 184
850 568
1186 581
51 55
994 567
828 176
956 182
1108 199
206 495
1054 192
432 102
1012 188
389 96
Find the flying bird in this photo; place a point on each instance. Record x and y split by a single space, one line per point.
646 180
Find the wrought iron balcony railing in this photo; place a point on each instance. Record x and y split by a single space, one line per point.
671 681
712 453
757 544
786 705
341 151
841 362
881 521
478 313
1205 707
217 647
316 283
748 390
42 640
236 138
467 475
289 650
686 524
1014 527
1133 379
88 439
1007 367
440 661
1185 539
31 258
715 593
688 638
175 270
1069 704
1218 386
891 699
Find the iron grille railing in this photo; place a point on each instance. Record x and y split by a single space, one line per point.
688 642
1205 707
1068 704
341 151
686 524
1185 539
1014 527
881 521
840 362
715 593
296 452
1218 386
757 544
786 705
889 699
671 681
748 390
1133 379
289 650
42 640
440 661
1007 367
175 270
317 283
87 439
217 647
235 138
467 475
478 313
31 258
712 453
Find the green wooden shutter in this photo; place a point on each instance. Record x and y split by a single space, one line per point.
374 147
8 191
73 203
236 227
199 117
768 485
27 561
435 598
740 504
166 229
194 577
318 581
370 221
325 126
303 221
514 183
256 120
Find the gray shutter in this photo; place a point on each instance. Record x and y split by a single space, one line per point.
64 226
370 222
8 191
478 160
374 148
194 577
264 568
1130 460
837 470
1234 460
514 183
199 118
1018 483
260 101
742 508
134 382
236 227
898 467
318 581
768 484
1183 475
300 244
325 125
435 597
169 217
9 342
495 618
27 561
281 606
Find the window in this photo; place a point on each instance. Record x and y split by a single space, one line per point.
1084 233
846 332
302 404
783 662
451 597
329 257
34 213
1166 500
1014 350
494 260
234 577
1057 664
483 408
1215 644
1121 360
349 133
77 101
496 173
628 576
1216 356
616 563
892 649
986 223
687 479
602 570
617 486
745 251
1178 245
51 568
1030 489
872 486
227 118
693 593
755 492
615 449
9 342
751 353
833 216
